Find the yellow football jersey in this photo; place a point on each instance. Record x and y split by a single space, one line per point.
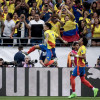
81 51
51 39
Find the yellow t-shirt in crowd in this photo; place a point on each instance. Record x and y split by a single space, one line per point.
56 27
1 1
26 1
63 17
87 21
4 15
80 61
15 23
56 9
11 7
30 10
51 39
96 32
39 2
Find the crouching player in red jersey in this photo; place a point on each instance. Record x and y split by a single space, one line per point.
49 44
80 68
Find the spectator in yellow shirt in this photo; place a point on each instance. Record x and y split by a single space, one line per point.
5 12
45 4
69 4
16 20
63 12
94 16
94 7
56 24
2 3
11 6
39 3
88 23
57 7
96 32
34 7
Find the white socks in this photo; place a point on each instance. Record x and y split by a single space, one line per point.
93 88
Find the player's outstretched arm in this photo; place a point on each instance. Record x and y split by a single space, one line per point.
65 42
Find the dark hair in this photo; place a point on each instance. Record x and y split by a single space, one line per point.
37 13
34 1
17 1
10 15
54 15
20 47
85 41
94 3
14 13
94 8
98 58
75 43
77 1
48 25
86 5
1 59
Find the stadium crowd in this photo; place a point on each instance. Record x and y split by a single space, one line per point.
71 19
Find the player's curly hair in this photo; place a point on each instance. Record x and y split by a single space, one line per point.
75 43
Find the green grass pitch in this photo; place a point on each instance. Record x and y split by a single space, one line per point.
48 98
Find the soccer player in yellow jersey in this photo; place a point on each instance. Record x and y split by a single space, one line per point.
80 68
49 44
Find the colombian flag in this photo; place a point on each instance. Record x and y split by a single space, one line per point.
70 33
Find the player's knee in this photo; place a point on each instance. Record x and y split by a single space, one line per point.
37 47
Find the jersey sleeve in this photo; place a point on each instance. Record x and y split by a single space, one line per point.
8 3
83 51
56 35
